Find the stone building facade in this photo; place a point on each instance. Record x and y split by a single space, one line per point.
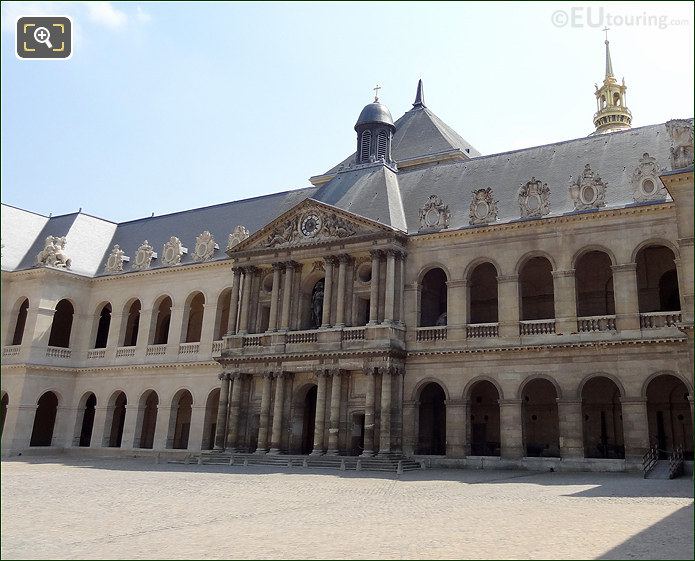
419 299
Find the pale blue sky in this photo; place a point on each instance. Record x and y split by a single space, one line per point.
168 106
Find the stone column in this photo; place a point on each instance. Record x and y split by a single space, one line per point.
275 297
410 427
400 286
320 414
571 428
456 418
265 415
195 432
220 427
340 303
457 308
385 429
374 289
511 446
397 411
327 292
144 328
369 409
128 436
508 298
390 293
635 427
565 296
113 340
287 295
234 301
177 329
245 301
276 435
237 382
207 332
334 422
625 294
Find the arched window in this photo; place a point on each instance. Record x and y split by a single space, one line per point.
603 419
382 145
432 420
222 314
161 319
483 294
433 298
103 327
44 420
537 296
485 419
365 145
541 424
132 326
61 327
194 325
594 282
21 321
657 280
180 420
668 415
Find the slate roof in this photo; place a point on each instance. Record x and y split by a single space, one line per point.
374 191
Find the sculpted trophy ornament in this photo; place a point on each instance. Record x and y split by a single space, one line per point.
144 257
646 185
681 133
53 253
114 264
205 246
239 234
434 214
483 209
173 251
588 191
534 199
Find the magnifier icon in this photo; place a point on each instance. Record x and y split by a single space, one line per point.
42 35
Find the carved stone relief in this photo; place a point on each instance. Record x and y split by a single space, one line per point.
646 185
205 246
114 264
681 133
534 199
434 214
589 191
53 253
313 225
144 256
173 251
239 234
483 209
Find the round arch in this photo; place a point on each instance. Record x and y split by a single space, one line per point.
468 271
530 255
417 390
180 415
430 266
593 247
611 377
654 242
469 385
651 377
532 377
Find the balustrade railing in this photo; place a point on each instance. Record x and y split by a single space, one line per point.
189 348
11 350
93 354
58 352
353 333
436 333
252 340
654 320
217 347
125 352
590 324
302 337
155 350
537 327
482 330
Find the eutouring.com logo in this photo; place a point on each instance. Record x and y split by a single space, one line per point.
44 37
597 16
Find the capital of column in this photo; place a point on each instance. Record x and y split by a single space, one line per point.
686 242
563 274
508 278
401 255
376 253
251 270
330 260
459 283
292 265
369 370
624 267
278 266
223 376
237 269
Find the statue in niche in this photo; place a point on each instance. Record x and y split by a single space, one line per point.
317 305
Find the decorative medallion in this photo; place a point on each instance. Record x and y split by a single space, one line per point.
114 264
53 253
311 225
144 257
483 208
681 133
646 185
534 199
434 214
589 191
173 251
205 246
239 234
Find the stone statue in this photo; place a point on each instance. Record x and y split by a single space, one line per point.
53 253
317 304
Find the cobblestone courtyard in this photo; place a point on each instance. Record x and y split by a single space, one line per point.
67 508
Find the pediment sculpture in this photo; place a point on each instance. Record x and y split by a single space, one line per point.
117 257
646 185
205 246
483 209
53 253
173 251
313 224
534 199
588 191
434 214
144 256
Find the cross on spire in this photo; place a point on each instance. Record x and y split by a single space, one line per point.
606 30
376 92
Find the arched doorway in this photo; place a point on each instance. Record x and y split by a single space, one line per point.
103 326
61 327
180 420
602 419
308 418
668 415
44 420
132 324
657 280
537 293
22 312
88 410
210 422
483 294
485 419
194 325
433 298
115 416
147 410
594 285
161 320
4 402
432 421
541 424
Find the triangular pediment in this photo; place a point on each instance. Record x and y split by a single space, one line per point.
310 223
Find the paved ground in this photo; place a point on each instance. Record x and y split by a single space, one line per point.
125 509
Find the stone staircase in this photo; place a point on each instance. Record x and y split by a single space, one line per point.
392 464
661 470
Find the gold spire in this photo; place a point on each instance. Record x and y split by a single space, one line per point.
612 113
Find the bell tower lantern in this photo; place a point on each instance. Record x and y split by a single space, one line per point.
612 113
375 130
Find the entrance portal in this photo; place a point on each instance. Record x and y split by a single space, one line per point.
309 420
432 421
44 420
